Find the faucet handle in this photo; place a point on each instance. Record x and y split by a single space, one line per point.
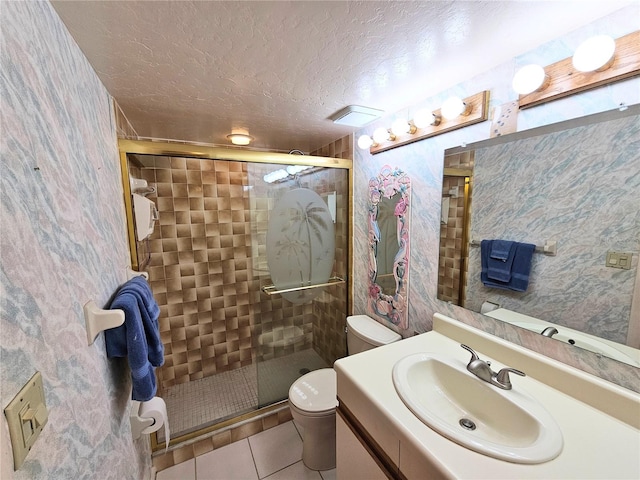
474 355
502 376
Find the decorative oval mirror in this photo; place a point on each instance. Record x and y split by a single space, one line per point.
389 246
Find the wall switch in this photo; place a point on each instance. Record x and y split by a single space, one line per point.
26 416
619 260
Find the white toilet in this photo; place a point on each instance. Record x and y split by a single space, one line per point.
312 397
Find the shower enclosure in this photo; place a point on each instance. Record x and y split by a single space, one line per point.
234 342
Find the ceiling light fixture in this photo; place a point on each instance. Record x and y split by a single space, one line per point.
356 115
240 138
595 54
530 78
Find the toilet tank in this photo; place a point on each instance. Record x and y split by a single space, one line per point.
364 333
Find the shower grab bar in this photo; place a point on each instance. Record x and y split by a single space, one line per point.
271 289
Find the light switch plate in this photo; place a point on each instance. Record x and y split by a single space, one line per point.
619 260
26 416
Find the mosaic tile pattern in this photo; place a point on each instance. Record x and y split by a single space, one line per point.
329 338
174 456
200 403
63 243
423 162
450 265
208 262
199 269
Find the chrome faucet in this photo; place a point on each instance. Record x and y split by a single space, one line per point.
482 370
549 332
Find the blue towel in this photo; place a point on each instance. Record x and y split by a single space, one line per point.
520 267
501 249
138 338
500 269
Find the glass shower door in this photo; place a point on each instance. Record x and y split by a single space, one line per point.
301 222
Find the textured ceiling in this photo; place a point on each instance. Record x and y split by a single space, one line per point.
197 70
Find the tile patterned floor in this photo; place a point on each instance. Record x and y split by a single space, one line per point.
275 454
204 402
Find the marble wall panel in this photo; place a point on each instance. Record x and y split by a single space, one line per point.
579 187
423 162
63 243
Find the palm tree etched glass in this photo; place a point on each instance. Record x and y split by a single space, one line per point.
300 243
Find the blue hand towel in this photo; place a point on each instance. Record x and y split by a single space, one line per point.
499 269
138 338
501 249
520 268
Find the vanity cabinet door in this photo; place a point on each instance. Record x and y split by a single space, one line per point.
353 461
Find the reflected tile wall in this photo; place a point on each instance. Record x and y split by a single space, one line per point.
423 162
450 263
63 243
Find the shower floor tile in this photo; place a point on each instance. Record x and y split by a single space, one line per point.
210 400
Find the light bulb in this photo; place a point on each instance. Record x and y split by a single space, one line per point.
595 54
365 142
529 79
240 138
453 107
423 118
380 135
400 127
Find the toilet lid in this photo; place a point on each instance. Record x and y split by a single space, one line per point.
370 331
316 391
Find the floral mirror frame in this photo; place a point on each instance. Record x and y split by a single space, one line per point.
391 307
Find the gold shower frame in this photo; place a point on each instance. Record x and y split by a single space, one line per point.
146 147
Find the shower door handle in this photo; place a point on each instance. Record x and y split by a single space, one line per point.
272 290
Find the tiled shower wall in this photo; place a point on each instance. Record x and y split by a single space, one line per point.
451 265
199 269
330 309
206 269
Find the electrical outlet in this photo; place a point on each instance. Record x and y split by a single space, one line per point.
26 416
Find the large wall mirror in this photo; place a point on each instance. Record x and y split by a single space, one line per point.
576 184
389 195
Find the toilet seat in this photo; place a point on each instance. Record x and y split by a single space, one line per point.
314 394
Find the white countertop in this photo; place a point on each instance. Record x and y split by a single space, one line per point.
597 443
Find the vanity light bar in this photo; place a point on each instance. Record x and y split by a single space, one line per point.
476 110
565 79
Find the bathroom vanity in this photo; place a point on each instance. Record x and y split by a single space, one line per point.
379 436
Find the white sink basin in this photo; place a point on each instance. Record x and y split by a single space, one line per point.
509 424
587 342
